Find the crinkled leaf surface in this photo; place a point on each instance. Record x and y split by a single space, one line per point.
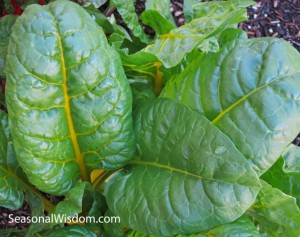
68 99
254 99
6 24
276 213
184 39
188 178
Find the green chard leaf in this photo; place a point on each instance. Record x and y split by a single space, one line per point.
162 7
189 176
68 99
286 182
197 33
127 11
188 9
254 100
291 157
13 182
70 231
276 213
156 21
6 24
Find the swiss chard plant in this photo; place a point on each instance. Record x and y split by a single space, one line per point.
186 134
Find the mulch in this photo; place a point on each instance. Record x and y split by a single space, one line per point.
266 18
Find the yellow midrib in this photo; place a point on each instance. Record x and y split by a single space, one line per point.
73 136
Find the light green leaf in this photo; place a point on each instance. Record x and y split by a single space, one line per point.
189 176
286 182
184 39
127 11
156 21
70 231
6 24
291 157
253 99
68 99
161 6
95 3
188 9
276 213
231 34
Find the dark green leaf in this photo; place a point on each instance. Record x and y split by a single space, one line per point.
70 231
189 177
253 99
289 183
6 24
68 99
276 213
231 34
156 21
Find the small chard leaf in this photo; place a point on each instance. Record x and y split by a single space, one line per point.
291 157
184 39
254 100
156 21
162 7
68 99
188 9
189 176
276 213
94 3
242 227
13 182
70 231
79 199
127 11
6 24
286 182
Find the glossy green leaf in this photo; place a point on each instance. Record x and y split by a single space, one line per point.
291 157
242 227
184 39
68 99
12 179
79 199
6 24
113 229
254 99
276 213
161 6
70 231
156 21
231 34
188 178
127 11
289 183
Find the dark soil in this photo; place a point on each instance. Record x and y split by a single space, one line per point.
267 18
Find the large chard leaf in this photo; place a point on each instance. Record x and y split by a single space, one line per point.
276 213
6 24
70 231
68 99
197 33
254 99
161 6
188 178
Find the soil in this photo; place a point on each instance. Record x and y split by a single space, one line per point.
267 18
